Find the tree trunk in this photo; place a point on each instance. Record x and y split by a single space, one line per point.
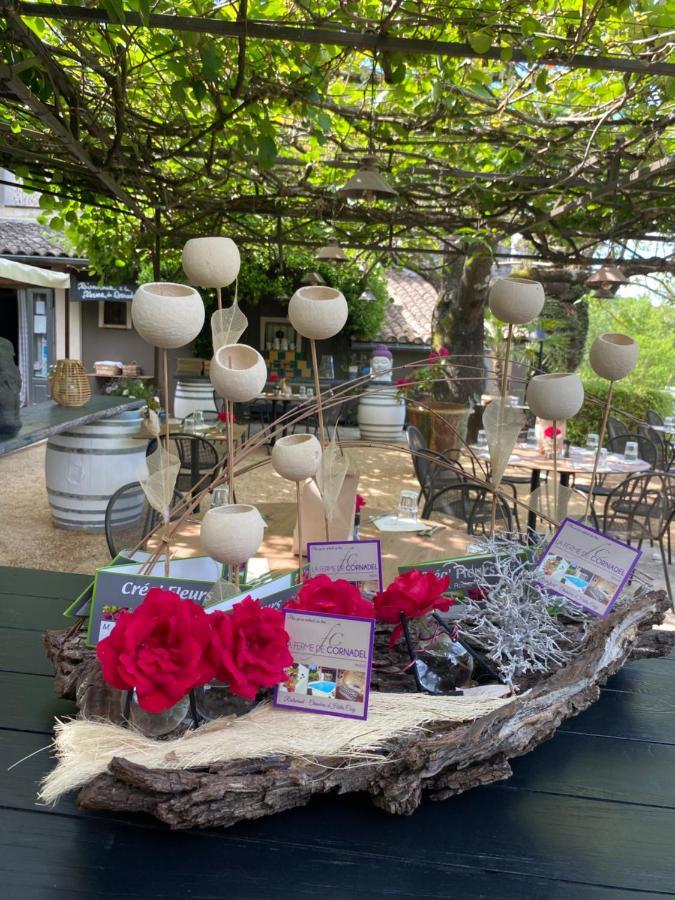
459 322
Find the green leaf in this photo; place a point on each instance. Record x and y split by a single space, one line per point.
528 25
480 41
144 7
212 61
115 10
267 150
199 90
540 81
398 75
506 54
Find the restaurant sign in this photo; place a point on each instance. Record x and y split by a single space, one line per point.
86 289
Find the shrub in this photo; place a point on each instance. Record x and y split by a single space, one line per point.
627 402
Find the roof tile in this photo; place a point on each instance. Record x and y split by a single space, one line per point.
409 315
27 238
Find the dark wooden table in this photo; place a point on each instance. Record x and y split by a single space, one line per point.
41 420
590 814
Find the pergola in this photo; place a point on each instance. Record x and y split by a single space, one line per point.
488 120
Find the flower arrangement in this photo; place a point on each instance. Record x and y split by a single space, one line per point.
323 595
551 441
225 416
430 379
166 647
135 387
360 502
414 595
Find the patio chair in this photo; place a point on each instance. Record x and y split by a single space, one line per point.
435 472
129 518
654 418
615 427
641 508
647 450
662 451
197 458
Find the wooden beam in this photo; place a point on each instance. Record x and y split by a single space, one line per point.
342 37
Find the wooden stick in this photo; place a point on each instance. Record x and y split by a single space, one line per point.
229 406
502 391
300 553
219 298
167 437
555 470
507 354
601 438
317 391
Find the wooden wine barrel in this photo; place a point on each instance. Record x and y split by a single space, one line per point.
381 415
84 467
192 394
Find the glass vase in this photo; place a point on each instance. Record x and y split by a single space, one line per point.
153 724
215 700
443 664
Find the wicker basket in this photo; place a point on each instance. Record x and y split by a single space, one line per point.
131 370
70 385
107 370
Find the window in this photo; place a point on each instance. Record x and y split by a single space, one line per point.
114 314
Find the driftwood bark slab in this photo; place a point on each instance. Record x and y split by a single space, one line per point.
447 760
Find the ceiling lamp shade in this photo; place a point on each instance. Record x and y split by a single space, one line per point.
332 252
312 278
606 278
367 183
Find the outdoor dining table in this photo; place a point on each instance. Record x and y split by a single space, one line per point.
589 814
579 462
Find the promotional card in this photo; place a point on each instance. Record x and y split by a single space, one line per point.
121 587
332 659
461 569
358 561
586 567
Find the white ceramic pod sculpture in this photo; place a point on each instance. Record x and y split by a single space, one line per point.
238 372
296 456
167 315
318 312
613 356
516 300
557 396
232 533
211 261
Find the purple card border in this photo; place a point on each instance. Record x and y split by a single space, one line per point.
626 578
369 541
319 712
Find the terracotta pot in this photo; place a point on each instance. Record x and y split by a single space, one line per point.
296 456
516 300
443 426
317 312
556 396
211 261
232 533
238 372
167 315
613 356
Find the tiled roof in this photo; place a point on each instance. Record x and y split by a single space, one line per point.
26 238
411 308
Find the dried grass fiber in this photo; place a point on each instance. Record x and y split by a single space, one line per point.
85 748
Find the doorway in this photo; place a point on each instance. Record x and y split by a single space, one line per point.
9 318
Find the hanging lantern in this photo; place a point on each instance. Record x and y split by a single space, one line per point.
367 183
332 252
606 280
312 278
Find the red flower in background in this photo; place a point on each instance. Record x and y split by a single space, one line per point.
158 649
225 416
435 355
323 595
405 382
273 376
249 647
414 594
360 502
549 432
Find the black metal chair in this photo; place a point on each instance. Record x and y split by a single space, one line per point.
647 450
615 427
129 518
639 509
652 435
197 458
435 473
654 418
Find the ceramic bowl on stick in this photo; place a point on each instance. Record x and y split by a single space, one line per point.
211 261
516 300
318 312
167 315
613 356
238 372
232 533
296 456
557 396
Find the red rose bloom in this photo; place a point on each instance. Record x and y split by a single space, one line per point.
444 351
249 647
323 595
225 416
158 649
405 382
360 502
273 376
434 356
549 431
414 594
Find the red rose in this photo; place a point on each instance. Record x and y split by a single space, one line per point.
434 356
158 649
273 376
225 416
444 351
405 382
414 594
249 647
323 595
360 502
549 432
